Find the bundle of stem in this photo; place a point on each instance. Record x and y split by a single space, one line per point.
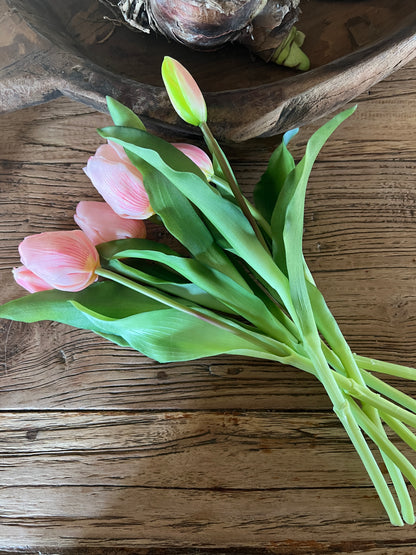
364 403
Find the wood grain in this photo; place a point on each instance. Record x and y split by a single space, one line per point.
104 451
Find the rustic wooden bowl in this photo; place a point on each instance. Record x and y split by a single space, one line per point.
55 47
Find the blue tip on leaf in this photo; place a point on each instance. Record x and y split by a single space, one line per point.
288 136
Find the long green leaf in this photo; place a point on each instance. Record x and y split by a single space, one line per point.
293 192
106 297
267 190
182 220
170 336
291 222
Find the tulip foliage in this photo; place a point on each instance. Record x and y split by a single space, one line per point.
242 288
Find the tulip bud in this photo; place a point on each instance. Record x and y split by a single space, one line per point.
119 182
198 157
29 281
184 93
100 223
65 260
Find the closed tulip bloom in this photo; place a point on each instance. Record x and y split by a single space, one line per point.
119 182
183 91
65 260
198 157
29 281
100 223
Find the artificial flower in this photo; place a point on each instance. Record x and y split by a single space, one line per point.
198 157
119 182
100 223
65 260
29 281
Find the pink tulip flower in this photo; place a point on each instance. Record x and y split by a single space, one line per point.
198 157
184 93
100 223
119 182
29 281
65 260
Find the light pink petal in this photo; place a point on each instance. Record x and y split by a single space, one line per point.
67 260
112 152
198 157
121 187
101 224
30 281
120 152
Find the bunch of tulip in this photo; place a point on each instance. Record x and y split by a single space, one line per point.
68 260
242 288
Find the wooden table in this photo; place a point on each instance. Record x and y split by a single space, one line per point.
106 451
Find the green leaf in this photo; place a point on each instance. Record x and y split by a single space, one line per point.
287 223
123 116
106 297
171 336
295 188
127 318
180 217
167 335
267 190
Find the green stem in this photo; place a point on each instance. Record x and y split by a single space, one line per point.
389 391
401 429
372 381
217 152
397 370
385 444
332 333
349 420
379 437
342 408
406 505
365 395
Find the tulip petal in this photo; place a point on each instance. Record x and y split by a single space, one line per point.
66 260
198 157
120 154
29 281
101 224
119 182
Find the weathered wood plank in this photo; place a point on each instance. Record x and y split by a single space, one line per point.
116 516
49 366
286 547
210 450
